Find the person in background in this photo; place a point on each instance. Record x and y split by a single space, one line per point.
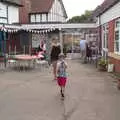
56 50
42 50
83 47
89 52
61 73
39 49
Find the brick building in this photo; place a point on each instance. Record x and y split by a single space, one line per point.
108 20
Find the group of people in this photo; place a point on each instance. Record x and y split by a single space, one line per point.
59 66
86 51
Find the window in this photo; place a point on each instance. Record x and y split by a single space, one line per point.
3 20
32 18
117 37
105 39
44 18
38 19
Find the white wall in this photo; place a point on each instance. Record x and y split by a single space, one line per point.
111 14
13 14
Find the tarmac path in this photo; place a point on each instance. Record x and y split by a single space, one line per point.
33 95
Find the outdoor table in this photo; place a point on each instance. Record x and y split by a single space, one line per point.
25 61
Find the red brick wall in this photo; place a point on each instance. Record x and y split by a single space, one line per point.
111 36
24 11
116 64
111 46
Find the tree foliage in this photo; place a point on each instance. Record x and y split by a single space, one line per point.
86 17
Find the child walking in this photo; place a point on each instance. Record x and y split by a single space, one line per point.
61 73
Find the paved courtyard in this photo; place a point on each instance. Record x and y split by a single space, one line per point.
33 95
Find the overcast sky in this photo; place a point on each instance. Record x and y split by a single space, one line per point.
77 7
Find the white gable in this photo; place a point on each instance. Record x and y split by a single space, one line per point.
57 13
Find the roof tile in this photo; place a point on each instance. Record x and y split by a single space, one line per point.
41 6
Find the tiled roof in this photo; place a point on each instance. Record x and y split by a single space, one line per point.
41 6
15 2
107 4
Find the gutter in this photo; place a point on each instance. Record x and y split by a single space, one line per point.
12 3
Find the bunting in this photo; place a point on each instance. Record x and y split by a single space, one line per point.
15 30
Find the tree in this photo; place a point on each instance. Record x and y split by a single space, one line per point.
86 17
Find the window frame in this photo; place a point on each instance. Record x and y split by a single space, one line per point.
105 32
117 29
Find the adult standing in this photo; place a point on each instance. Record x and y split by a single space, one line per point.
56 50
89 52
83 47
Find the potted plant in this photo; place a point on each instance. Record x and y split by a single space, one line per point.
102 64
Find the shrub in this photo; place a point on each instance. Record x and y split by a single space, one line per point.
103 63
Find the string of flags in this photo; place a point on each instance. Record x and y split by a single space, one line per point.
15 30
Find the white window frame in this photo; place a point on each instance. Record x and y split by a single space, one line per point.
38 18
44 18
105 29
32 18
117 28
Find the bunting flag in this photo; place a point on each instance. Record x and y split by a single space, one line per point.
14 30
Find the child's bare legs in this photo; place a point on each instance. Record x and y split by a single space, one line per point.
62 91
